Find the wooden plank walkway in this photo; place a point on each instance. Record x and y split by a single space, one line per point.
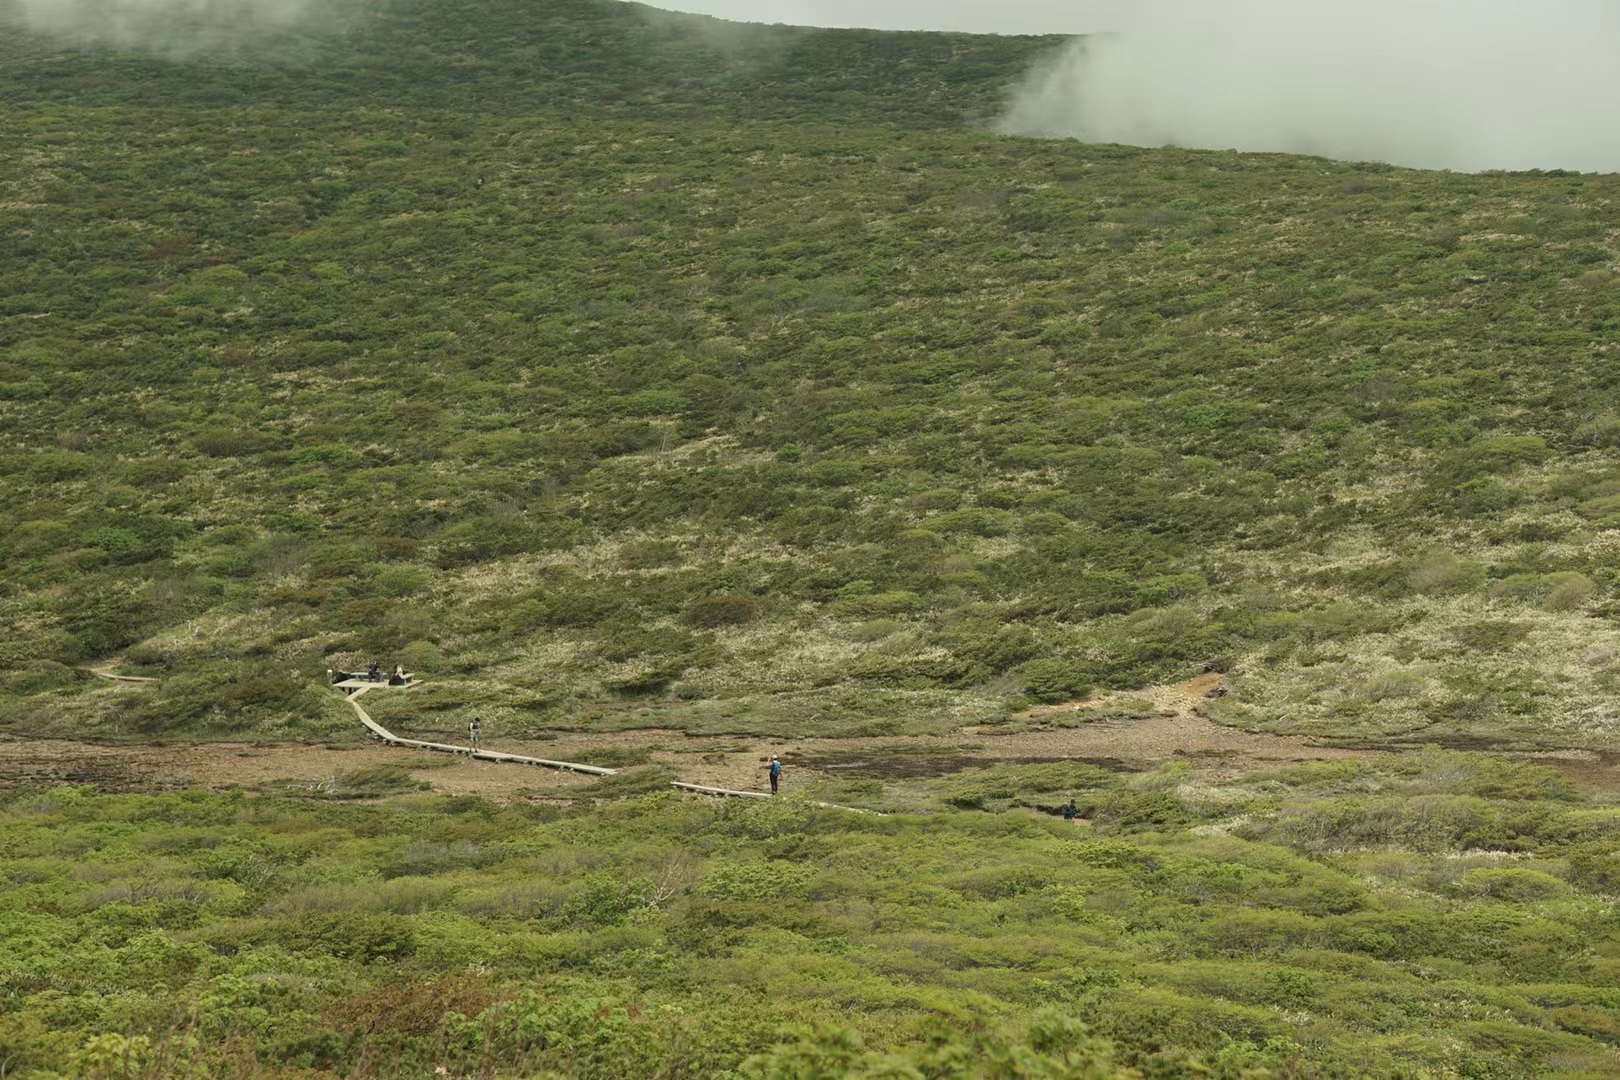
365 718
733 793
119 678
519 759
354 689
724 793
448 748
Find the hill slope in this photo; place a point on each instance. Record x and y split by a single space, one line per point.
575 60
531 344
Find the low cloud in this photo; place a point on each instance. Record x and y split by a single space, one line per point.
166 26
1459 84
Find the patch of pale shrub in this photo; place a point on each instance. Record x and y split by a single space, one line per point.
412 895
1568 591
1439 572
521 900
874 630
328 899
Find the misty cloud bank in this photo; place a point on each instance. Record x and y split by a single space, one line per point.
167 26
1459 84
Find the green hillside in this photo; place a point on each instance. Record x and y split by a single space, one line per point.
566 367
572 61
620 371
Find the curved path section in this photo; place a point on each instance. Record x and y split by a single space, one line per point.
354 689
391 739
117 678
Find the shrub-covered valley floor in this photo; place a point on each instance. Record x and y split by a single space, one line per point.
1425 914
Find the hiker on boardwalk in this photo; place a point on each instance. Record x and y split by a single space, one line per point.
475 729
776 772
1071 811
374 672
398 677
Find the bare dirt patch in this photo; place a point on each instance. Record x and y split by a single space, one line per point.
1115 732
888 763
1128 731
1125 732
1596 770
223 766
27 768
1122 744
1180 698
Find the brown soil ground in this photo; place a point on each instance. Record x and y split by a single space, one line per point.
1124 745
1178 731
249 765
721 761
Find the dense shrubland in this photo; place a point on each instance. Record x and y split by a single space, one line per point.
579 350
1444 916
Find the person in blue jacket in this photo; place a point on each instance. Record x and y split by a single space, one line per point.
776 772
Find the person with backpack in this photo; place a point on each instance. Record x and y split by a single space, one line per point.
475 730
776 772
1071 811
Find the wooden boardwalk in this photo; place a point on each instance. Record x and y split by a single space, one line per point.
117 678
376 729
476 754
720 792
354 689
733 793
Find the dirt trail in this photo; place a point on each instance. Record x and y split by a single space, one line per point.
1117 739
720 761
246 765
1178 731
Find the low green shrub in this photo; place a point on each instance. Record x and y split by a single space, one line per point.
1053 680
1512 884
713 612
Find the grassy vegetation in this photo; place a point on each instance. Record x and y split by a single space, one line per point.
372 782
581 357
1441 916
